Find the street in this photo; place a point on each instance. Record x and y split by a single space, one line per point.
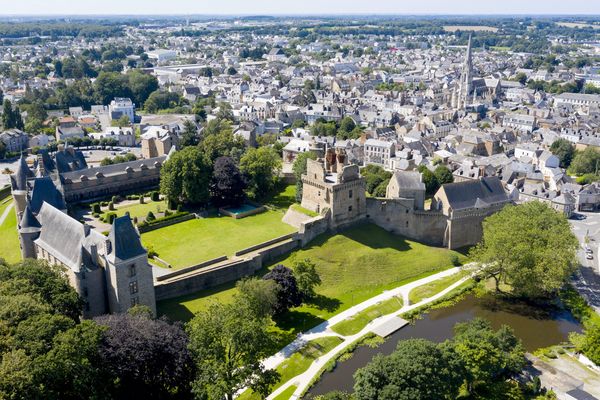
587 281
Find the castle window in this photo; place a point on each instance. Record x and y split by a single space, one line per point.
133 287
349 208
132 270
135 301
350 194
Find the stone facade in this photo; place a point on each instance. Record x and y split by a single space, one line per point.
332 187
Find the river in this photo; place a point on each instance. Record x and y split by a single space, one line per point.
536 328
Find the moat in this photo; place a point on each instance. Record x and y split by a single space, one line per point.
536 328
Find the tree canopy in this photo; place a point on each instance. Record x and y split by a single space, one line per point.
529 247
261 167
185 177
564 150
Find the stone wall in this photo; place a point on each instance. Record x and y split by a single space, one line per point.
399 217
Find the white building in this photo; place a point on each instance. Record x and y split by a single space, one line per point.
122 106
162 55
379 152
124 136
521 122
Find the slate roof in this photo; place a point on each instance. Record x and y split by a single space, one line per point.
29 222
67 161
19 178
66 238
44 191
125 240
114 169
470 194
409 180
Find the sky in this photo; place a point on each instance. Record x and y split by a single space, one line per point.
286 7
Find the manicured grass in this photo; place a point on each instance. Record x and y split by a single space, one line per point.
430 289
139 210
354 265
10 248
299 362
283 198
287 393
300 209
197 240
353 325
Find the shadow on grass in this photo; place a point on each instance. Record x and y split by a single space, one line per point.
321 302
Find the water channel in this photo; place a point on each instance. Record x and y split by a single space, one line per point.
536 328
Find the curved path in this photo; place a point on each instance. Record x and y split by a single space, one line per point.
303 380
5 213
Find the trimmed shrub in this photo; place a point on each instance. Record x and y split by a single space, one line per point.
110 218
167 213
111 206
114 199
179 208
96 208
155 196
150 217
135 220
96 215
104 203
141 199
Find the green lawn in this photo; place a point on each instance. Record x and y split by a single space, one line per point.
354 265
352 326
139 210
287 393
299 362
430 289
300 209
191 242
10 249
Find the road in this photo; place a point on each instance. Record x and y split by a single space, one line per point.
587 281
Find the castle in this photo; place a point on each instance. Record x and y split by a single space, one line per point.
110 273
337 192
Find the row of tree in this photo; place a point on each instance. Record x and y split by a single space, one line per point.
219 169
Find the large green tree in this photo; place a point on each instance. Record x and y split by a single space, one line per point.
564 150
261 166
228 342
586 162
530 247
185 177
417 369
11 117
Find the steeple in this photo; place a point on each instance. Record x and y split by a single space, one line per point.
466 77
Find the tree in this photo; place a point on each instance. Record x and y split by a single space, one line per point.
141 86
225 112
375 176
185 177
46 282
530 247
147 358
288 294
564 150
443 175
429 179
162 100
231 71
121 122
261 167
417 369
487 355
521 77
299 169
227 344
11 117
228 183
189 135
258 295
218 140
307 277
109 85
586 162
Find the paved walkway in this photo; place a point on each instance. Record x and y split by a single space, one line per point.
303 380
5 213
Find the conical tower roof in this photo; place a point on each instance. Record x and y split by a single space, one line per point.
29 222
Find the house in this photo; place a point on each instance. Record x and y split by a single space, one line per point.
157 141
520 122
379 152
15 140
67 128
407 185
122 106
295 147
276 55
124 136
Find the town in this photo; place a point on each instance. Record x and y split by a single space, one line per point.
197 207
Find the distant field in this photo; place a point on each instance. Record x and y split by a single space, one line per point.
473 28
577 25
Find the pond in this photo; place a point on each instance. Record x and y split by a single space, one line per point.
536 328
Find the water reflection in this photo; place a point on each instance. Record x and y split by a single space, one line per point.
535 327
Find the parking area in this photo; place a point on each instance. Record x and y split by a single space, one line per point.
94 157
587 230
